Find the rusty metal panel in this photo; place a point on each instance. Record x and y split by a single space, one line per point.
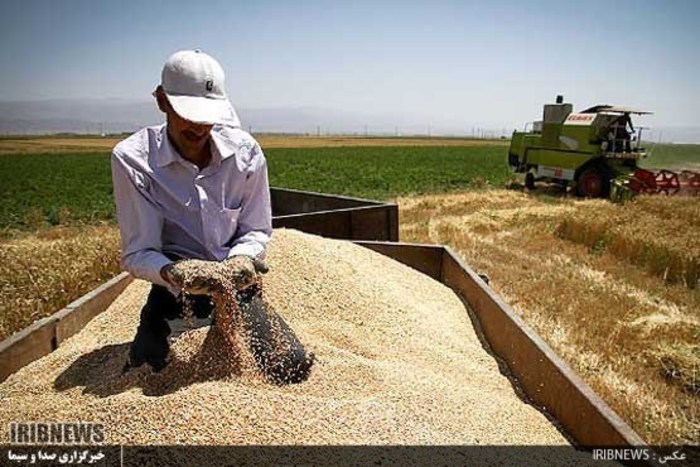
393 222
424 258
24 347
370 223
544 377
77 314
331 224
364 223
334 216
286 201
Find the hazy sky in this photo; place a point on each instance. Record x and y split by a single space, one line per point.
489 62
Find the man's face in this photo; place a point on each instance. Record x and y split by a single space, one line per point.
190 138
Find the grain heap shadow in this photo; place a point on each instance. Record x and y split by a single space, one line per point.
249 323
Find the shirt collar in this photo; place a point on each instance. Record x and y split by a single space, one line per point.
167 154
224 146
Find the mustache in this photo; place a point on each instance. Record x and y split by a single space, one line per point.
195 136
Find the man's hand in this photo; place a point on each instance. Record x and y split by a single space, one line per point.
172 276
245 270
197 279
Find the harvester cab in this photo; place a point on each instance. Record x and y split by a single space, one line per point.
588 149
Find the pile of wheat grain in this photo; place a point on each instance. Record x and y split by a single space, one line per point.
248 322
397 362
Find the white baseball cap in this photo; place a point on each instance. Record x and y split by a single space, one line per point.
194 84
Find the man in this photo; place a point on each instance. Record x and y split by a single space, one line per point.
621 134
194 188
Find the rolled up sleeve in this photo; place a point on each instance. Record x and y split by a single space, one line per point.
254 229
140 224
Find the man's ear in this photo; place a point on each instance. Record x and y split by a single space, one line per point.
162 100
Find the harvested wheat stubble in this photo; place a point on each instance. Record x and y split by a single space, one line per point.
397 362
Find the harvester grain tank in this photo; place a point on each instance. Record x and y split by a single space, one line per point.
593 150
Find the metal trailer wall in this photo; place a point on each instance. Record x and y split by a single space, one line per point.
335 216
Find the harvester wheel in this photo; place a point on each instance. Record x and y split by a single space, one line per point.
530 181
593 182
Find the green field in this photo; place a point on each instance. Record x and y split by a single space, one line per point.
54 189
672 156
41 189
64 188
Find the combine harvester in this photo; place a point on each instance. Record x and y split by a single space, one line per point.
596 150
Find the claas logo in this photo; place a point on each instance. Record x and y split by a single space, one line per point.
580 117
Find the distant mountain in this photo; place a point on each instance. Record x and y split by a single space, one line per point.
78 116
97 116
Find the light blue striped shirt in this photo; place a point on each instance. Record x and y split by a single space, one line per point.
167 206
